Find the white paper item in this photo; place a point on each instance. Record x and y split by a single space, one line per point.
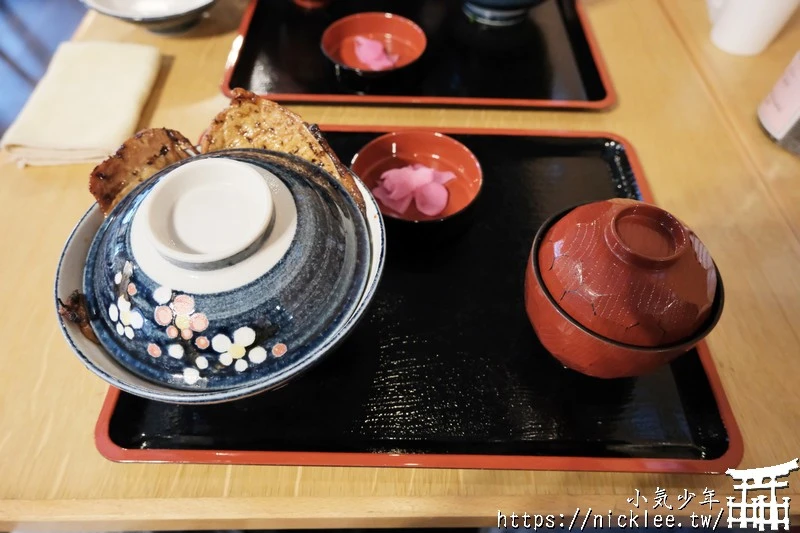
747 27
86 105
714 9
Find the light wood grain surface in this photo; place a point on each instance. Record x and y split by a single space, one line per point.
688 110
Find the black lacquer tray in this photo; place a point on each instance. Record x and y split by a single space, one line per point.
445 369
548 61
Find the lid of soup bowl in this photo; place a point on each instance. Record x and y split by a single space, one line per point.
629 271
227 269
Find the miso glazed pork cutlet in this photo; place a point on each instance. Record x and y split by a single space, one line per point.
139 158
248 122
253 122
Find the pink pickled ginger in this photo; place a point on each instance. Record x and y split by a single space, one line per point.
425 186
373 54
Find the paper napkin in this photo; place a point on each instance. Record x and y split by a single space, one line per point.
86 105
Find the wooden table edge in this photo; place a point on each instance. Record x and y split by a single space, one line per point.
328 512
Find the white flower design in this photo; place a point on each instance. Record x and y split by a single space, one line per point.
126 319
236 349
257 355
162 295
190 375
175 351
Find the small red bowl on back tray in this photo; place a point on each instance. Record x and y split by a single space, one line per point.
311 4
403 41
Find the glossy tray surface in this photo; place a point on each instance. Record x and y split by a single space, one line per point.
445 369
548 60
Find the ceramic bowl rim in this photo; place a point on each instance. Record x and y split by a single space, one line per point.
374 73
95 6
448 138
376 260
687 342
204 397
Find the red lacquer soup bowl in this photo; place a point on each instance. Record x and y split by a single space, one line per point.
619 288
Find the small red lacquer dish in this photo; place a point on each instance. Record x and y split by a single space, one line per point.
433 150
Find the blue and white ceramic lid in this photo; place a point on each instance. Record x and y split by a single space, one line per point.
227 270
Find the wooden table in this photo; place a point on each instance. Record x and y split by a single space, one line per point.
689 111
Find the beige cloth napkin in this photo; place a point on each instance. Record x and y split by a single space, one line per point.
86 105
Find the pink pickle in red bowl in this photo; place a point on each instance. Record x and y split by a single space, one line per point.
373 42
374 54
311 4
416 166
424 186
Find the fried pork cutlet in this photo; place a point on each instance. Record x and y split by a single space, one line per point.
253 122
139 158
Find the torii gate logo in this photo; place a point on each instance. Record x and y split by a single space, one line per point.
758 511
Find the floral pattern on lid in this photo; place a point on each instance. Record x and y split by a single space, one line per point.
177 313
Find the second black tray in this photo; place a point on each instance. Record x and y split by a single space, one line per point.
549 60
445 369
